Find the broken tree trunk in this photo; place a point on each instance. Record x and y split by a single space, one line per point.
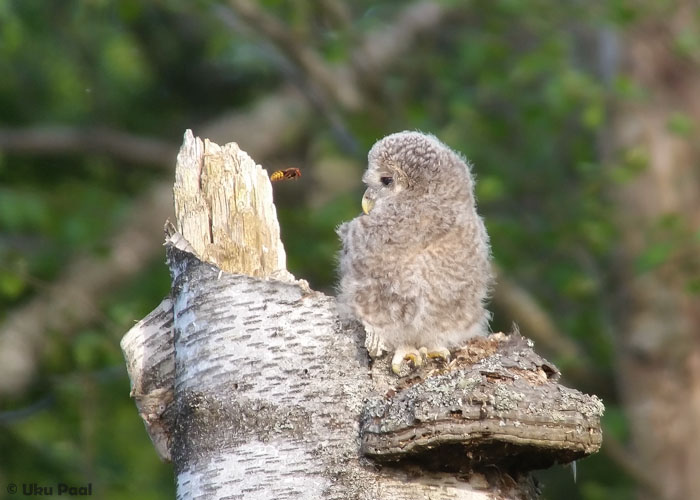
249 382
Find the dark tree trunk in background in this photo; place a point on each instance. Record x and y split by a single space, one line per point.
658 216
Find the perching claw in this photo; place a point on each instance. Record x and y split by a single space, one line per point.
438 353
405 353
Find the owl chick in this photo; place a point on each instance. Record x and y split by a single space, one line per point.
415 268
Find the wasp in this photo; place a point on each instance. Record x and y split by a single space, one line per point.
287 173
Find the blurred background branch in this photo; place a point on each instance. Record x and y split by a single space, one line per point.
74 298
131 148
339 87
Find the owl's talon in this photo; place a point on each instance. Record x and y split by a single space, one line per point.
439 353
405 354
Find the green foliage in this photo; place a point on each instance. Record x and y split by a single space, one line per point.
680 124
315 263
88 432
506 82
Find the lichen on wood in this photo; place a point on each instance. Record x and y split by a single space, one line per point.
498 402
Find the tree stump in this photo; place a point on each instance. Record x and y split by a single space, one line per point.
251 385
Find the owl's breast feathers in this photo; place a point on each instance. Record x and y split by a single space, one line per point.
384 245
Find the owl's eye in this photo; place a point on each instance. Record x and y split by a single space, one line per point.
386 180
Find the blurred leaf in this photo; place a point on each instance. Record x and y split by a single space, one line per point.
87 350
687 43
692 286
626 88
11 284
489 188
593 116
634 161
123 63
22 210
680 124
654 256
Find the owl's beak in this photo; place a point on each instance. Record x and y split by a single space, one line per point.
367 203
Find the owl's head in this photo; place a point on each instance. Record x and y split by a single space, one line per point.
412 164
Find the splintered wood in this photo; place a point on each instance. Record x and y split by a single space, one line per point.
224 209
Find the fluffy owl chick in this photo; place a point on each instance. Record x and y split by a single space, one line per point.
415 268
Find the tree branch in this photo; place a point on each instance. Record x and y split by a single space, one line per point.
390 43
341 90
149 152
